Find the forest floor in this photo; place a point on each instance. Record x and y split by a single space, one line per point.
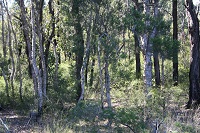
88 118
16 122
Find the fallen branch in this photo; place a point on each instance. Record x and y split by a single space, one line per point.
6 127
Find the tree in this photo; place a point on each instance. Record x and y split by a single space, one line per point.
86 58
79 43
32 33
137 47
193 27
175 38
3 41
147 47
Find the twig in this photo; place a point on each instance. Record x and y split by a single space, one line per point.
28 121
129 127
6 127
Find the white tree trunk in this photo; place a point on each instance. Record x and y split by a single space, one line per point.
12 72
44 68
35 68
163 72
107 82
148 46
147 51
85 60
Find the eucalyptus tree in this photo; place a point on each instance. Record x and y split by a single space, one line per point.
175 38
33 37
193 27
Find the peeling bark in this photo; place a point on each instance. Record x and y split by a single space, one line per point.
34 63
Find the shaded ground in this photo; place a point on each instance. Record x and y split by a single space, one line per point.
88 118
17 123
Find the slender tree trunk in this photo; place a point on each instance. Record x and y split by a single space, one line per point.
86 69
20 76
26 33
94 47
175 38
33 53
156 68
12 60
193 27
39 31
92 73
56 63
163 71
100 75
107 81
137 56
43 62
155 54
52 35
85 60
147 51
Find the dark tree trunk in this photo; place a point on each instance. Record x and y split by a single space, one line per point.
175 38
137 57
194 88
156 68
79 43
49 40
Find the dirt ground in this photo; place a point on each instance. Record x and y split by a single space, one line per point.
17 123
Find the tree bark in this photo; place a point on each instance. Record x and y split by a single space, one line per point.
193 27
107 81
100 75
39 31
137 56
52 35
156 68
147 51
175 38
155 54
12 60
56 63
34 63
85 60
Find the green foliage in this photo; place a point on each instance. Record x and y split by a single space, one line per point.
165 46
130 117
64 90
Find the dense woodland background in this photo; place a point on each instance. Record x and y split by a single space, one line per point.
99 66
